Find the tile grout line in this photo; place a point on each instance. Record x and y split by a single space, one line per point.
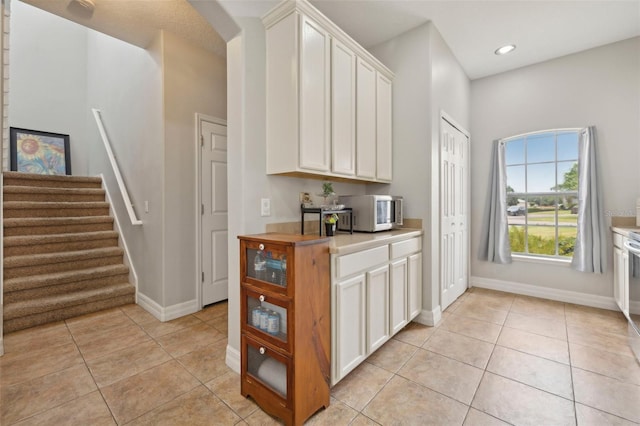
573 387
90 373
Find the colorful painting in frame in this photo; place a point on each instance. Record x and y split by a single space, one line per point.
43 153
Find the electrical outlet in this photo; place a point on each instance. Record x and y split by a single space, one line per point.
265 207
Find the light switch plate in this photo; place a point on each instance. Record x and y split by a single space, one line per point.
265 207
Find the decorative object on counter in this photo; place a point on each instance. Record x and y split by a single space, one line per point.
330 224
305 199
327 191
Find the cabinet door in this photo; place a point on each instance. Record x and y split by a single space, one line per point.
366 120
266 315
314 96
349 326
384 155
343 109
625 283
414 284
398 295
266 373
618 277
264 265
377 308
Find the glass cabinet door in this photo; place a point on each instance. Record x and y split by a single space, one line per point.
268 315
268 264
267 366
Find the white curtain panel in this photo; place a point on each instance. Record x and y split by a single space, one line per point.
590 253
495 246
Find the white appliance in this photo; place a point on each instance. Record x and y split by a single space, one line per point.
372 213
633 292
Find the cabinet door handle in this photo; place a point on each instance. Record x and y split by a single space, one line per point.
261 297
262 350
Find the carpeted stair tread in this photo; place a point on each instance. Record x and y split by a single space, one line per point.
21 323
51 290
15 209
43 193
54 221
51 258
44 304
56 225
57 278
55 243
53 204
29 179
26 240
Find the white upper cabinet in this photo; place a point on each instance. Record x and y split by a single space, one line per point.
366 120
314 97
384 145
328 108
343 109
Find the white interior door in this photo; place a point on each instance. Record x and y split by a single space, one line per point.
215 277
454 233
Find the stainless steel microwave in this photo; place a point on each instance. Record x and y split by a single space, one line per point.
372 213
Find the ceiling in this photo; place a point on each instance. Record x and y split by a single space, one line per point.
474 29
138 21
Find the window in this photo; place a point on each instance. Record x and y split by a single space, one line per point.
542 192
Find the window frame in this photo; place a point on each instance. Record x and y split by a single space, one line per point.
527 255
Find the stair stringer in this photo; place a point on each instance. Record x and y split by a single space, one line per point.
122 241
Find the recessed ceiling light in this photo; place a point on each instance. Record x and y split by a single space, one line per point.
505 49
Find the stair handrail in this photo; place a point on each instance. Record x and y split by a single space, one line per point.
116 170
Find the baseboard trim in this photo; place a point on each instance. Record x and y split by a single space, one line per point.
430 318
567 296
232 359
170 312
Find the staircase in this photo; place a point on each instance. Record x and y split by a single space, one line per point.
61 254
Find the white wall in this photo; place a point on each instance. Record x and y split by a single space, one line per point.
48 57
450 93
125 83
599 87
428 80
195 81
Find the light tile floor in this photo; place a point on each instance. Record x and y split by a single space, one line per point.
494 359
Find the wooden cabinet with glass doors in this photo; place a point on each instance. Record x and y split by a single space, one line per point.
285 323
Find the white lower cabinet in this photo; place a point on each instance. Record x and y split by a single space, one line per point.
620 273
398 295
375 293
350 312
414 283
377 308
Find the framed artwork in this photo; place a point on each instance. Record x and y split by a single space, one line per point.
43 153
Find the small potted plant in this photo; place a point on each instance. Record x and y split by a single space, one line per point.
330 221
327 191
